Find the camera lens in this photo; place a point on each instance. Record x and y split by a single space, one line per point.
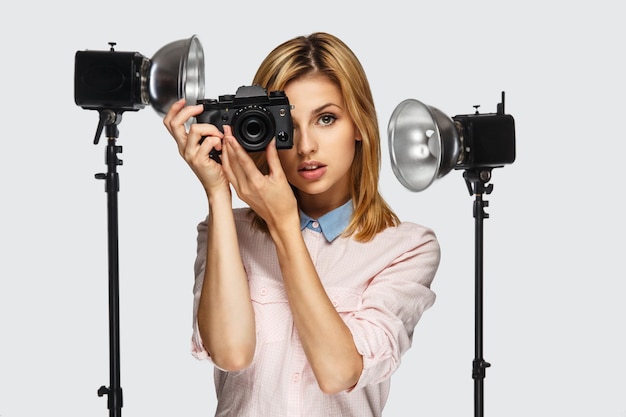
254 129
253 126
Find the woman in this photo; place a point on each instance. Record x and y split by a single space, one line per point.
306 300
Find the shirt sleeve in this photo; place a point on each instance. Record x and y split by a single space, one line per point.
394 301
197 348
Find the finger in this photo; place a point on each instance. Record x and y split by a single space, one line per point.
244 164
230 160
178 123
228 131
201 139
200 143
173 111
197 132
273 161
176 118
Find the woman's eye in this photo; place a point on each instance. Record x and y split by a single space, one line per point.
326 119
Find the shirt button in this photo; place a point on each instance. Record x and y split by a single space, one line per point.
263 291
335 303
315 225
296 377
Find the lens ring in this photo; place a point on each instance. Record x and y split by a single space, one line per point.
254 127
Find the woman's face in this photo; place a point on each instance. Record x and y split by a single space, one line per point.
318 165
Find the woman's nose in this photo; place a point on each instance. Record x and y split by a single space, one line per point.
305 142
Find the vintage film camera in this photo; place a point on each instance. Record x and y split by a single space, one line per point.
254 115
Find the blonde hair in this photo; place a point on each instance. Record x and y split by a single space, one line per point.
324 54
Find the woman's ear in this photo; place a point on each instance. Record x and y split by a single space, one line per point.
357 134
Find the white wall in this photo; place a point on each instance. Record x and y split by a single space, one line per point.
554 276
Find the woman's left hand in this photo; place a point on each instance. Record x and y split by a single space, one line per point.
270 196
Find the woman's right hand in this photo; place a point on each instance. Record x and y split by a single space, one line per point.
196 144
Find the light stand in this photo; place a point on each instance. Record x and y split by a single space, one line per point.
110 119
476 180
425 144
113 82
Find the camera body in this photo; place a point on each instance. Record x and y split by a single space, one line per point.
254 116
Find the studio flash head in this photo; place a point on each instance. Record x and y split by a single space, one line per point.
113 82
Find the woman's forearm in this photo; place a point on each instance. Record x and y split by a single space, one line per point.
225 314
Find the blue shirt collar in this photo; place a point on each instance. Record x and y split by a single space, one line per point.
331 224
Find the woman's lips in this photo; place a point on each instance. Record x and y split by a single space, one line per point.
311 170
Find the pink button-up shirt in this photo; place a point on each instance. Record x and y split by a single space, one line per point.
380 288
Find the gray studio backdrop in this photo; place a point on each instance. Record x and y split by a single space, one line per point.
553 266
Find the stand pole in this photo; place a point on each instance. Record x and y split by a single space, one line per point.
114 391
476 181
